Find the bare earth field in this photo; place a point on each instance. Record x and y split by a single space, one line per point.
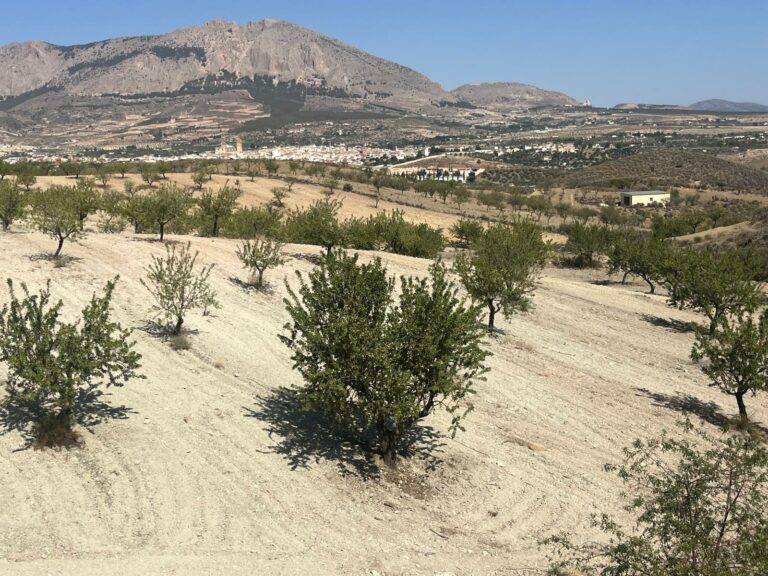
209 472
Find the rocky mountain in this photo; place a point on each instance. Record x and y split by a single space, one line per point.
280 51
509 96
716 105
204 80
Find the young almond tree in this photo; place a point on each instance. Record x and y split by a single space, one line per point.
373 367
178 287
85 199
11 203
278 195
737 356
696 509
503 266
216 207
635 254
165 204
715 282
259 255
54 212
54 368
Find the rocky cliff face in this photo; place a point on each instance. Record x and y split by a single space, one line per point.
151 64
510 96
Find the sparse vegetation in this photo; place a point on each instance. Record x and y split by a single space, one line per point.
178 286
697 511
259 255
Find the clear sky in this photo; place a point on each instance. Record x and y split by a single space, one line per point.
610 51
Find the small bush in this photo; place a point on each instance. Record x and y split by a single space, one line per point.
177 286
180 342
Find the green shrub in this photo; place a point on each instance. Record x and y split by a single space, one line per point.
375 367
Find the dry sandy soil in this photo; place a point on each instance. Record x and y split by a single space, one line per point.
210 472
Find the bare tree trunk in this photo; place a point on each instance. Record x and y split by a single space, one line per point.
177 328
650 284
389 448
59 247
491 316
742 406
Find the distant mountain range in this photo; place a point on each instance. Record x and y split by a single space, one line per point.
714 105
728 106
224 75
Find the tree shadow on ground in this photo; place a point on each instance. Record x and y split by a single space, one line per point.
710 412
265 288
669 323
21 414
147 239
687 404
303 438
315 259
607 282
59 261
164 330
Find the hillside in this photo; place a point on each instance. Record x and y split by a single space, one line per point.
665 168
208 469
716 105
205 81
510 96
280 51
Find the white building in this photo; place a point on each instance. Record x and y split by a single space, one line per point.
644 198
226 148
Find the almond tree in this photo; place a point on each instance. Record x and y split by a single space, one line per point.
55 368
54 212
278 195
178 287
85 199
11 203
737 356
697 509
259 255
501 269
375 367
165 204
217 206
715 282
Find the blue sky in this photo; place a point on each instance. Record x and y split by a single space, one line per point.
661 51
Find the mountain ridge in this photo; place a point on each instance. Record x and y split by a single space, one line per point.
719 105
266 48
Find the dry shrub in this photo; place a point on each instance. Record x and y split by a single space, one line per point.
180 342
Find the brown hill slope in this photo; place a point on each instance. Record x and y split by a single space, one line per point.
665 168
510 96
